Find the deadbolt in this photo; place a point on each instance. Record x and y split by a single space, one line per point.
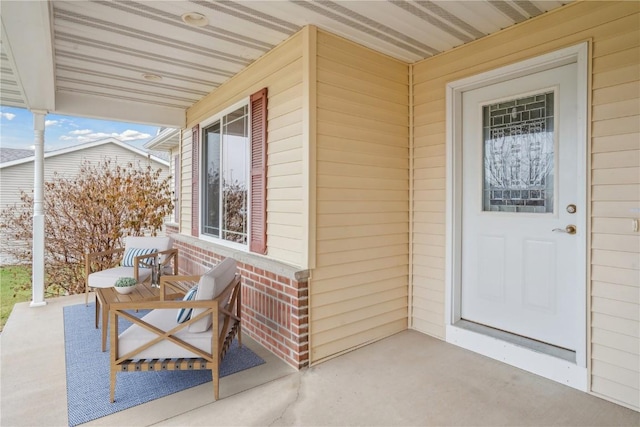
571 209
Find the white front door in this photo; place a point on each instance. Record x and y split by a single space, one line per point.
519 203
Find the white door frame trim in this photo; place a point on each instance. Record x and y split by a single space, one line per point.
571 374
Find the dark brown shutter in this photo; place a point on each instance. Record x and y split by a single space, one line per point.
195 180
176 188
258 220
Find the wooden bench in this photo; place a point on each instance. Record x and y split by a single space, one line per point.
158 342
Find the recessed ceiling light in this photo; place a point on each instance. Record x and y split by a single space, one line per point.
151 77
195 19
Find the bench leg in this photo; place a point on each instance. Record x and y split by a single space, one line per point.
113 385
105 313
97 312
216 384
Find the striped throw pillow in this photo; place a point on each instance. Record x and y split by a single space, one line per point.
131 253
185 313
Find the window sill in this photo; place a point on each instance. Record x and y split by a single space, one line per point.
289 271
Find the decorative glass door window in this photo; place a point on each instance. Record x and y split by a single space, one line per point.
519 145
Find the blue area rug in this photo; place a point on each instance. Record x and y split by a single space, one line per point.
88 371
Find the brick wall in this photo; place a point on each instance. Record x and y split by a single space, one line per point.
278 313
274 307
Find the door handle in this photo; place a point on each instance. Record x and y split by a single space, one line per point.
569 229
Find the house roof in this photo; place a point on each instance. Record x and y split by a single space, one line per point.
84 146
90 59
11 154
165 140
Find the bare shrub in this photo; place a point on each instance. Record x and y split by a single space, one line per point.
90 212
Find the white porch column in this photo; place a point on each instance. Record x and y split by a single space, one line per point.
37 287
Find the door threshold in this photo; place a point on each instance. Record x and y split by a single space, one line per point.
537 346
494 346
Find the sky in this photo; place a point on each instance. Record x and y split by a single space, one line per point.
16 130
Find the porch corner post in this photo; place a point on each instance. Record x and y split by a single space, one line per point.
37 287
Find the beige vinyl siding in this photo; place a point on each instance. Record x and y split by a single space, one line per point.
615 274
615 175
280 71
185 182
176 171
358 292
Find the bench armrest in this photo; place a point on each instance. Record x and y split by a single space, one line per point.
179 284
91 257
150 260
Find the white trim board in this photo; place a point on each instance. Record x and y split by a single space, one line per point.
572 374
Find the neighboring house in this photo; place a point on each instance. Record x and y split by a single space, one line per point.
372 227
16 173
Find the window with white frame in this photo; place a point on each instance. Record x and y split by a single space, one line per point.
225 177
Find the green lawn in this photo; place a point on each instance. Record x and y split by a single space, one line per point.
10 277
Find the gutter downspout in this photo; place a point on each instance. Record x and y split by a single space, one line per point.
411 143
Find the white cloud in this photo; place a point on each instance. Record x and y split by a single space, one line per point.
86 135
132 135
8 116
95 136
48 123
81 132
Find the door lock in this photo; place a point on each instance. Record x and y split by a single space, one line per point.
571 209
569 229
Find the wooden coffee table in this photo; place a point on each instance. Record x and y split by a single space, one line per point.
106 296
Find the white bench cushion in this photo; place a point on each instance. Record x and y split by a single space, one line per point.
144 242
107 278
147 242
211 284
165 319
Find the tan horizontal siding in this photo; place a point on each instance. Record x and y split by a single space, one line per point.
626 260
352 132
615 172
281 72
615 78
185 194
615 372
624 142
358 289
614 390
371 330
614 323
622 376
354 231
615 260
368 218
176 181
353 321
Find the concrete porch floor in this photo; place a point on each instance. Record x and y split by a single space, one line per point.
407 379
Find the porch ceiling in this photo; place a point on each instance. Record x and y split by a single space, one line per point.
88 58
